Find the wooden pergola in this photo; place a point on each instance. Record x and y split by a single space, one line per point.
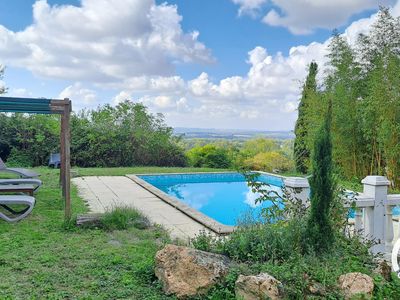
49 106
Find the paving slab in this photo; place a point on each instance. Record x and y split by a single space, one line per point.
103 193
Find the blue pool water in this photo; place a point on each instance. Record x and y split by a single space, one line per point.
225 197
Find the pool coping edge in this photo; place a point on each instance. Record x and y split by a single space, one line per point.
194 214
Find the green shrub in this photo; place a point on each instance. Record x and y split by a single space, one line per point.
255 242
208 156
28 140
206 241
123 218
269 162
387 290
124 135
258 145
19 159
277 250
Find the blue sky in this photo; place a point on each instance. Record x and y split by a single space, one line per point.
202 63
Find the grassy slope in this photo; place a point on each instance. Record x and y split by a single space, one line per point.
39 258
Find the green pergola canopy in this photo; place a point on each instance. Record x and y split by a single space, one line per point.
25 105
49 106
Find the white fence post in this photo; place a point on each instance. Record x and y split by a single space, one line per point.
377 188
298 188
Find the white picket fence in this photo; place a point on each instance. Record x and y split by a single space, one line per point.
373 218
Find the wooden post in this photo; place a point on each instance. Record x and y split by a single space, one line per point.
62 154
65 172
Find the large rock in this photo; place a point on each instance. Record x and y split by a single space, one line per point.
356 283
384 269
187 272
316 288
258 287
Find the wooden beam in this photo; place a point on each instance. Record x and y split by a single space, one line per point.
89 220
59 106
66 158
62 154
64 108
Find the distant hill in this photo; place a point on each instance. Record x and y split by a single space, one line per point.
230 134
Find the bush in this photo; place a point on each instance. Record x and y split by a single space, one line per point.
28 140
123 218
278 249
259 145
121 136
208 156
255 242
269 162
19 159
282 249
124 135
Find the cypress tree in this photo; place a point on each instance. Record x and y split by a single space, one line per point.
319 227
301 150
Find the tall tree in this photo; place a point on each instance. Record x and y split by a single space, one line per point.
380 57
319 231
343 88
301 149
363 84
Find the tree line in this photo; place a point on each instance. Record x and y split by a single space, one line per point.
258 153
362 82
128 135
124 135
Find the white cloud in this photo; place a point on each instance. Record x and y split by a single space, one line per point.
250 7
251 198
270 79
122 96
250 114
166 104
171 84
19 92
266 96
304 16
81 96
182 105
106 40
290 107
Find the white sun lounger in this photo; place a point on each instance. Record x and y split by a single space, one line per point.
24 181
15 216
24 173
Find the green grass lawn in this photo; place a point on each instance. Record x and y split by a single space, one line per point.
41 258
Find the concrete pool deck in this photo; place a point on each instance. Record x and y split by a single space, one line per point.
103 193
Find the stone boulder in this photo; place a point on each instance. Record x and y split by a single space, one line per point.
258 287
355 284
316 288
384 269
187 272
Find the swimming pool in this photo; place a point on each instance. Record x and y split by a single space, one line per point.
224 197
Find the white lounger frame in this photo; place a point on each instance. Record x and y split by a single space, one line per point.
6 200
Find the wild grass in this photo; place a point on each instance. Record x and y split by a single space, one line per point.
122 218
41 258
